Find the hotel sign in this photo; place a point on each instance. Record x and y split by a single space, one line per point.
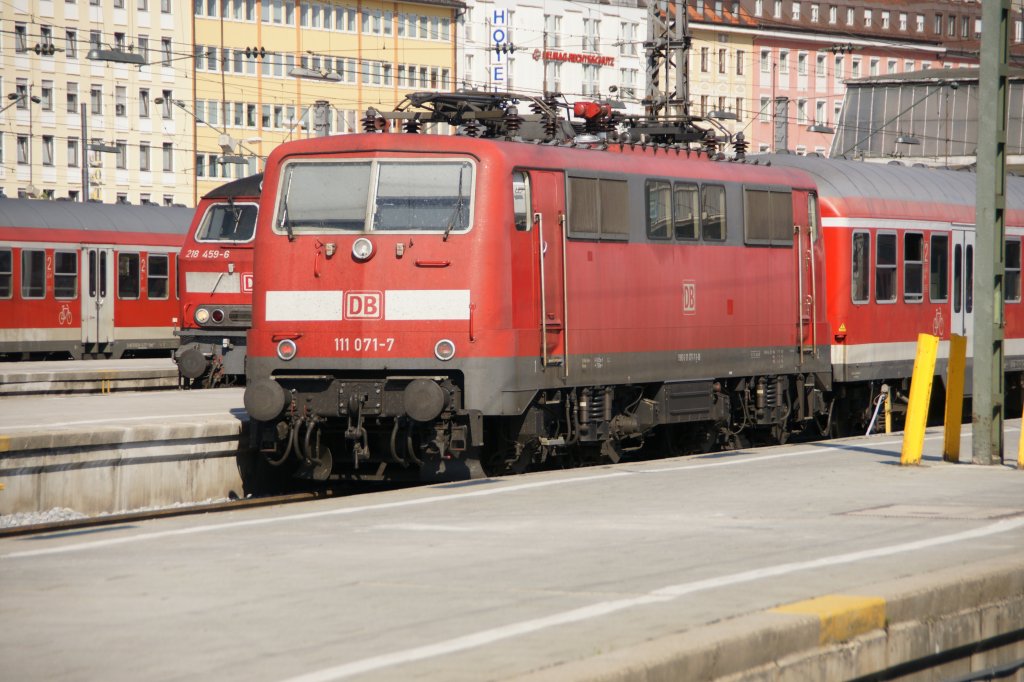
573 57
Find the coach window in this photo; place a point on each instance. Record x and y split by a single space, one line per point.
885 268
65 274
860 267
913 267
713 219
1011 280
156 276
938 269
686 211
659 208
521 201
33 274
6 273
128 275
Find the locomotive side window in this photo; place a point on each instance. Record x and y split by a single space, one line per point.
860 267
521 201
885 268
713 222
128 275
65 274
614 208
768 217
1011 281
686 211
913 267
583 207
938 269
6 273
659 208
228 223
156 276
33 274
598 209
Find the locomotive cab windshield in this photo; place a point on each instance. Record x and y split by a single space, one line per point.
380 195
229 222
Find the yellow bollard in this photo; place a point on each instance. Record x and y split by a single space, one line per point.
954 397
920 397
888 412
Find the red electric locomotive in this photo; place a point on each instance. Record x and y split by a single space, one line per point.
216 284
419 297
87 280
900 258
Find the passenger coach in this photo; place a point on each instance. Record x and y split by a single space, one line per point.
88 280
417 297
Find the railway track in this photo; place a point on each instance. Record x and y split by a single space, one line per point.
167 512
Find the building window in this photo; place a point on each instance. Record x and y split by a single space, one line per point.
20 38
784 62
120 101
122 154
937 25
814 13
766 60
740 56
796 11
723 60
73 152
777 9
833 14
867 18
168 157
758 8
903 21
820 115
885 20
919 23
839 69
764 114
71 44
96 100
704 54
47 141
144 156
167 108
166 52
850 14
855 67
801 64
801 111
72 97
46 95
891 67
874 66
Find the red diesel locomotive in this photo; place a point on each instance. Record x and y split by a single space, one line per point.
418 297
88 280
216 284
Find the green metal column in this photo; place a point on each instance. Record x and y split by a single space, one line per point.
990 223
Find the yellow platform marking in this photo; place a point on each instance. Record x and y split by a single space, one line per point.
842 616
5 443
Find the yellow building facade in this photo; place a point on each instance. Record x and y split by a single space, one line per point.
720 73
262 66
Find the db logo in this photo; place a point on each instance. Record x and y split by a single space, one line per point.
689 297
364 305
246 282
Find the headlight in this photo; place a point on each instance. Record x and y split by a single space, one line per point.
444 350
202 316
362 248
287 349
217 315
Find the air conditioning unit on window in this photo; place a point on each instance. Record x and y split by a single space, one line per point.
119 109
96 177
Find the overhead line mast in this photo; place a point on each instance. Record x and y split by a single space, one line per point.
666 101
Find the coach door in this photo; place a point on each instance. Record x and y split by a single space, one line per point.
97 296
962 295
548 204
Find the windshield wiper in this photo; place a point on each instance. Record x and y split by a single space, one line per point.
457 211
283 222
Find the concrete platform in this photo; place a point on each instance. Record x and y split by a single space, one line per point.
107 453
685 569
52 377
